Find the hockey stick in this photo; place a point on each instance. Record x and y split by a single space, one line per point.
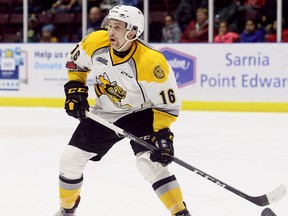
262 200
268 212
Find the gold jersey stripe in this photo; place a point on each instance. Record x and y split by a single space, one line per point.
162 120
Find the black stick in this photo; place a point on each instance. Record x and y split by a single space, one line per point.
268 212
262 200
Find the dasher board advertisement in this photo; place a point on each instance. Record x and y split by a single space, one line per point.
204 72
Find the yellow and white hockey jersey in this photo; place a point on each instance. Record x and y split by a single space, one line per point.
141 79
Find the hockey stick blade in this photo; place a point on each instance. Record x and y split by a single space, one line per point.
268 212
263 200
269 198
277 194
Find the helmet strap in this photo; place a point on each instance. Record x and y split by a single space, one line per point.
126 41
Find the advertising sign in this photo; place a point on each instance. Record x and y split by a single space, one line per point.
204 72
11 67
33 70
184 66
236 72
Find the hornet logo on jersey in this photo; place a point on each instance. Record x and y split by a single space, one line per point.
115 93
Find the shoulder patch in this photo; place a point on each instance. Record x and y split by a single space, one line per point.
159 72
70 65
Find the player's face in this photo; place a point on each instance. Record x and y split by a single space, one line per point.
116 32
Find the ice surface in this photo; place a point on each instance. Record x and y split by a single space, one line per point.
248 151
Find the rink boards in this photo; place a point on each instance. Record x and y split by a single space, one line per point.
227 77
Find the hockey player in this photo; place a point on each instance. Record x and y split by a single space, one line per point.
136 90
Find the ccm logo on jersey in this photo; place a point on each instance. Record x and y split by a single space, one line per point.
127 74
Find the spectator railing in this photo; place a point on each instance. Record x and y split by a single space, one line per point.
146 11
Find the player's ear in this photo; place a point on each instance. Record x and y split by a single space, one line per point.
132 33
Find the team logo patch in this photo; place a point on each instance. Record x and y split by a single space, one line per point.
112 90
158 72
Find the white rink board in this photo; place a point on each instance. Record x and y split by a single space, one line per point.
223 72
237 72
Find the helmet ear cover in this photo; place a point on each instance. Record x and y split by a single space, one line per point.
133 31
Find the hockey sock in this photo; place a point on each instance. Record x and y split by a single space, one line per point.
69 191
169 192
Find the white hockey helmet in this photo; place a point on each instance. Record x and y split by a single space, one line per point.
132 16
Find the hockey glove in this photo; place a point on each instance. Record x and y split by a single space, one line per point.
76 99
163 140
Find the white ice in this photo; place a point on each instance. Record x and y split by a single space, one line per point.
248 151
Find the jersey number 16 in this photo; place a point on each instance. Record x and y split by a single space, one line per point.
168 96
